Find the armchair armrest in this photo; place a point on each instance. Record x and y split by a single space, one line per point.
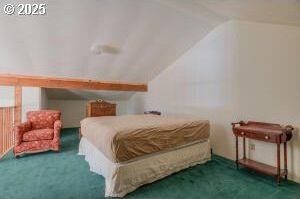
19 130
57 127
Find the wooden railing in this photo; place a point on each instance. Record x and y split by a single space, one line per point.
6 130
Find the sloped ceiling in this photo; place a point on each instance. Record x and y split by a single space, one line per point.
148 36
269 11
145 36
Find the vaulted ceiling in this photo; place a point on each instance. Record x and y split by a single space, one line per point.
146 35
268 11
138 38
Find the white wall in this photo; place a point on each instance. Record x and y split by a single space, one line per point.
43 99
241 70
73 111
7 96
31 98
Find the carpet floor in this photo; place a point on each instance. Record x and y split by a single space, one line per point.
66 175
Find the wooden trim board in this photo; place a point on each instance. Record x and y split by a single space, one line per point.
18 105
66 83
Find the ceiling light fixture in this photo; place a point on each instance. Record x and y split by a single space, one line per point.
99 49
96 49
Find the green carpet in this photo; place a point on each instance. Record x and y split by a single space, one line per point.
66 175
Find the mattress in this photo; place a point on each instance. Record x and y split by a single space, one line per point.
122 138
122 178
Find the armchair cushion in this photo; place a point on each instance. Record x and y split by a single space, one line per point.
38 134
43 119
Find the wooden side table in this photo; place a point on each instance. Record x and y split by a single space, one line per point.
267 132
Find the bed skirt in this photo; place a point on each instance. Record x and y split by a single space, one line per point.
125 177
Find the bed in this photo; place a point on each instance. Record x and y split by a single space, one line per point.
133 150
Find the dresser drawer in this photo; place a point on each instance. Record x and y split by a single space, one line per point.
259 136
110 112
102 106
97 113
103 112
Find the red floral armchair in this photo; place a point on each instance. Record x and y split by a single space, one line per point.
41 132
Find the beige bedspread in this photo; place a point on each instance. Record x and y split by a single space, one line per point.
121 138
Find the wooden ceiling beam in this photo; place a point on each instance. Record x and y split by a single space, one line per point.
66 83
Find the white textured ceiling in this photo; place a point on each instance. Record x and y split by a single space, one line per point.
269 11
145 36
148 35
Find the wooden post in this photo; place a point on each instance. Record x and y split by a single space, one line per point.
244 147
18 105
10 126
237 151
1 132
4 131
278 164
285 160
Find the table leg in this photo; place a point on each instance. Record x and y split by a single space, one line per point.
244 147
278 164
237 151
285 161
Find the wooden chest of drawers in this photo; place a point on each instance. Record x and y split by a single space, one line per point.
100 108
